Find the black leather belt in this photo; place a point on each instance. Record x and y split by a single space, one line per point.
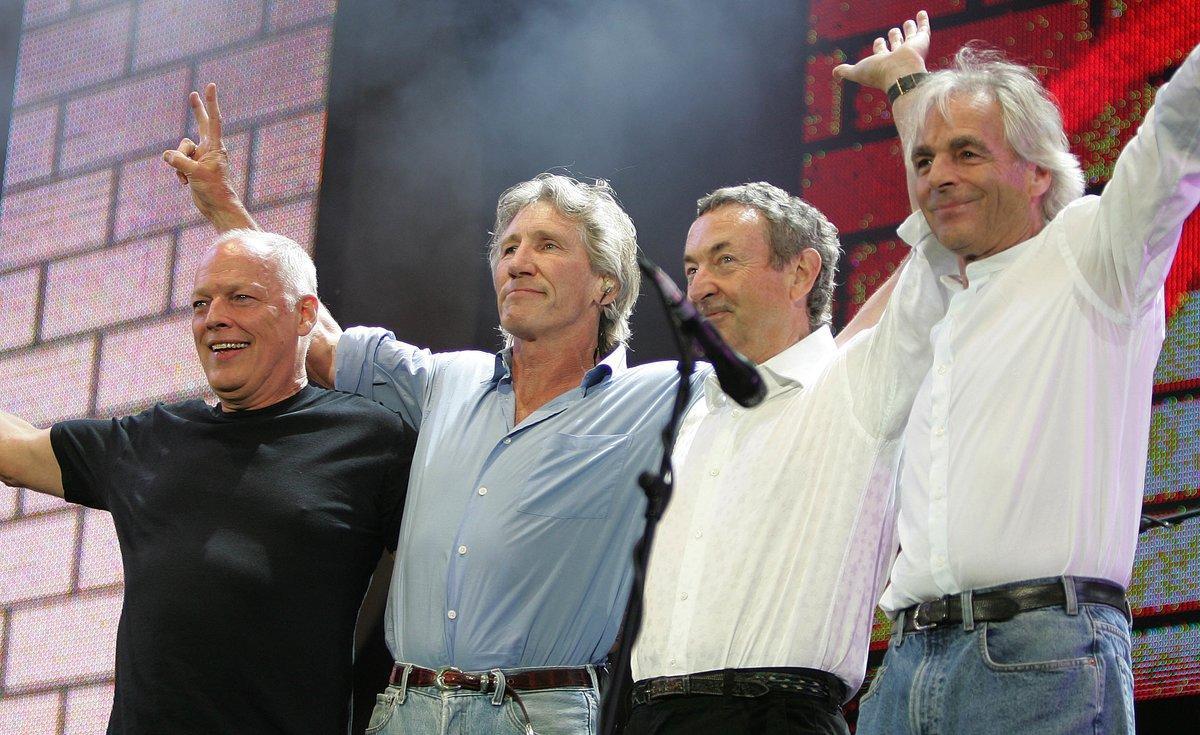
814 683
1003 603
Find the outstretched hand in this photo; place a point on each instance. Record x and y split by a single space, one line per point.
901 54
204 166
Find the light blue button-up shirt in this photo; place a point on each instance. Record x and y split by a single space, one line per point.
515 548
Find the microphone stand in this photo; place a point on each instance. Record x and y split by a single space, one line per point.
1171 519
658 487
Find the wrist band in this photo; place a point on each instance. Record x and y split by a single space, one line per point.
904 85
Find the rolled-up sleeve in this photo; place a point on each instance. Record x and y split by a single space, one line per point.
372 363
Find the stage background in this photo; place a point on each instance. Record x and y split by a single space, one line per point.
435 108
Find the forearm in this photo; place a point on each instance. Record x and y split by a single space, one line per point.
26 457
321 361
869 313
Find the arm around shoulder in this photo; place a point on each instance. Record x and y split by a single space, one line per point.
27 457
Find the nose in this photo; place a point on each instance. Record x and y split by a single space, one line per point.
215 317
701 286
521 263
941 172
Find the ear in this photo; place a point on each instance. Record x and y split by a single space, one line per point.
609 290
307 307
1038 181
805 268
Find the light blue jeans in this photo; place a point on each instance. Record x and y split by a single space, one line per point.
401 710
1054 671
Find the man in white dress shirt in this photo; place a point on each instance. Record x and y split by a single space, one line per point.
1025 454
770 557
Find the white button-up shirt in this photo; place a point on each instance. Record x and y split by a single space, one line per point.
778 538
1025 454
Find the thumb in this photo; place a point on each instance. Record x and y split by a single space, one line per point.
842 71
180 162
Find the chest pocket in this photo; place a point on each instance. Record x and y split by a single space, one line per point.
576 476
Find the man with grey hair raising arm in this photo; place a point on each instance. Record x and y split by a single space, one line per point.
771 555
1008 594
514 559
248 530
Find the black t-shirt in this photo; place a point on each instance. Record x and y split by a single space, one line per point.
248 540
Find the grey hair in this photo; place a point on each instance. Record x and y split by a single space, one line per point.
293 266
1032 121
793 225
608 235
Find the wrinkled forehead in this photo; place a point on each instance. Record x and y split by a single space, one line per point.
732 223
235 263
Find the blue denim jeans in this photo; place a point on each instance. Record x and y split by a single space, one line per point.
401 710
1053 670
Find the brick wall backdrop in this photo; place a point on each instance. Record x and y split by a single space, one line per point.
97 247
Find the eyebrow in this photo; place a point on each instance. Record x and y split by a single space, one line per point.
712 250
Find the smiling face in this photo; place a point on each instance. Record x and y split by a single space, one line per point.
758 309
249 337
545 286
977 196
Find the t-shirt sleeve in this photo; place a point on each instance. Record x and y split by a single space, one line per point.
85 449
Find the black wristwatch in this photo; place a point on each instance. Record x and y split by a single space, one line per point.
904 85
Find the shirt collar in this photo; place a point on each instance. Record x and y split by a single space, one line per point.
796 367
613 365
979 271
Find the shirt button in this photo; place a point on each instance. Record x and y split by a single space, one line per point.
683 596
452 615
672 662
462 551
937 432
737 412
939 560
714 473
508 440
699 534
483 491
942 369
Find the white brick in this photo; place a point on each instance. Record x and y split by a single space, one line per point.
87 709
63 642
49 383
18 307
37 556
30 714
146 363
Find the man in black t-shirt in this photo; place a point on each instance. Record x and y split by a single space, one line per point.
248 530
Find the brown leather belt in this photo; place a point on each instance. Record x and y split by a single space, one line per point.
1002 604
449 677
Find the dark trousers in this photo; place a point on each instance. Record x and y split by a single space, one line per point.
700 714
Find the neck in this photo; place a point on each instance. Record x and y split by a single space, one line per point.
229 404
543 370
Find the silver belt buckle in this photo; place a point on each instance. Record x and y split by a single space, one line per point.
942 609
439 678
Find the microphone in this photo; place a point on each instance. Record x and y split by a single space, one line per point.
738 376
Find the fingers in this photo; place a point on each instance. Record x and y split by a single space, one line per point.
922 21
214 112
181 163
910 29
895 38
879 47
841 71
200 114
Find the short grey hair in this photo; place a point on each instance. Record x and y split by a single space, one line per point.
608 235
293 265
1033 124
793 225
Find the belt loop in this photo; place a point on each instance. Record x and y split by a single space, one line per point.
403 693
1072 601
501 685
898 630
594 677
966 600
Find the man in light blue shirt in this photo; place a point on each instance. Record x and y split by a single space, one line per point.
523 507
